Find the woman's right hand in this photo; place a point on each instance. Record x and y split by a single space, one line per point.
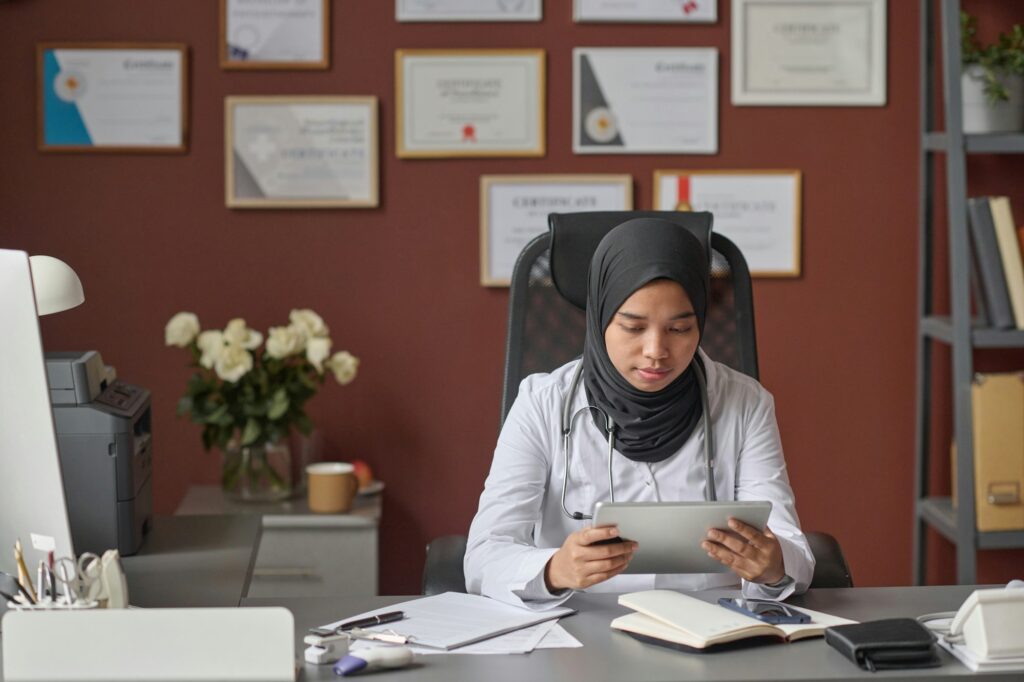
580 563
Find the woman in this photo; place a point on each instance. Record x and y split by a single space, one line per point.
646 303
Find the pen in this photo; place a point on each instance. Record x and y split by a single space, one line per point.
23 577
380 619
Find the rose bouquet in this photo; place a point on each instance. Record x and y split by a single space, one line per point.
248 400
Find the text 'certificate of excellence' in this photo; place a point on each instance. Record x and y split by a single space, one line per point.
514 209
468 10
470 103
809 52
647 10
645 100
297 152
104 98
758 210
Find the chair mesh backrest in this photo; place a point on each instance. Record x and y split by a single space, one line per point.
545 331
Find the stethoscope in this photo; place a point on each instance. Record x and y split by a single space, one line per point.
568 420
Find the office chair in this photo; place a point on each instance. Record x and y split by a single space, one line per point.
547 323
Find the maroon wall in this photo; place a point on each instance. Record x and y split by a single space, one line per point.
149 235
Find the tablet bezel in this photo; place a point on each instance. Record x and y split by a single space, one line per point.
670 533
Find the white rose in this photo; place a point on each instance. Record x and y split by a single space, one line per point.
317 350
236 332
311 324
211 344
234 362
181 329
344 366
284 341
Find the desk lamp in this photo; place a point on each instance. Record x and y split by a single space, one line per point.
56 285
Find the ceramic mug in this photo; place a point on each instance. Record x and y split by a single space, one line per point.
332 487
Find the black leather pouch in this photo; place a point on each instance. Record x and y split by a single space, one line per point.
888 644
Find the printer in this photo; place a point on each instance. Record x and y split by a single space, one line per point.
104 439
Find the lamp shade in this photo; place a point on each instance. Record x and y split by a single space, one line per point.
56 285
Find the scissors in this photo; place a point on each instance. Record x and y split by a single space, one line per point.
82 580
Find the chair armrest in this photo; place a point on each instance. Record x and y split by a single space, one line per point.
830 567
442 571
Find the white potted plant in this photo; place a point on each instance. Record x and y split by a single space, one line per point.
992 84
248 400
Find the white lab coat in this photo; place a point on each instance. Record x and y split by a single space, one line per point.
520 522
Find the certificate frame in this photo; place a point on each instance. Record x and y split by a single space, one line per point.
324 62
532 10
371 199
702 11
604 109
801 90
534 144
488 275
784 264
42 86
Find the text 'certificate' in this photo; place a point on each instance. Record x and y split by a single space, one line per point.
645 100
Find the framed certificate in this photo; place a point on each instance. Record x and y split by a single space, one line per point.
112 97
468 10
809 52
646 11
648 100
275 34
759 210
514 209
301 152
469 103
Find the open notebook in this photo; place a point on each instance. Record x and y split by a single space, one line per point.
675 619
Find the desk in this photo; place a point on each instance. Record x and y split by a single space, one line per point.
608 655
303 554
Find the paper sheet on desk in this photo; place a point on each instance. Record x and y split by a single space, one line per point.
547 635
453 620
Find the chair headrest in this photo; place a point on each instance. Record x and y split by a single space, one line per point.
575 236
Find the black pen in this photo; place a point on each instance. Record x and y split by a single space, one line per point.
380 619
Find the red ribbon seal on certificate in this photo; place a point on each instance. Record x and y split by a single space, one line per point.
469 133
683 193
690 6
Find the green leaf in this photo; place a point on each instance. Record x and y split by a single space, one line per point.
218 415
251 432
184 406
278 404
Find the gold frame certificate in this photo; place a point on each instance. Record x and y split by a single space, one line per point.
759 210
275 34
646 11
514 209
809 52
484 103
112 97
468 10
645 100
301 152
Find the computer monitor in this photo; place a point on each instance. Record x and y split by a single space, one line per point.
32 504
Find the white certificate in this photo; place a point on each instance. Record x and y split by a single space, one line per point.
809 52
468 10
649 100
274 34
514 209
646 10
96 96
758 210
470 103
297 152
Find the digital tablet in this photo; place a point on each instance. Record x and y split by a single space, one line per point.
670 533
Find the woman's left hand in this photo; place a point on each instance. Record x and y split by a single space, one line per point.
749 553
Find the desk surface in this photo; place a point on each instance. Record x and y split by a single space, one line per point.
609 655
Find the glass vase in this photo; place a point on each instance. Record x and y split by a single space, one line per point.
261 472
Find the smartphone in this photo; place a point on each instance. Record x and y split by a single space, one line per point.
765 609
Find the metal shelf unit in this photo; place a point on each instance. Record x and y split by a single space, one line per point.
956 330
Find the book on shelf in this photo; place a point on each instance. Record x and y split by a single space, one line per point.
994 295
676 620
1009 251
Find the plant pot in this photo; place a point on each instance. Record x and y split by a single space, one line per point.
258 472
979 115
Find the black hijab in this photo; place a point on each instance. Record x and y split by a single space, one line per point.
651 426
